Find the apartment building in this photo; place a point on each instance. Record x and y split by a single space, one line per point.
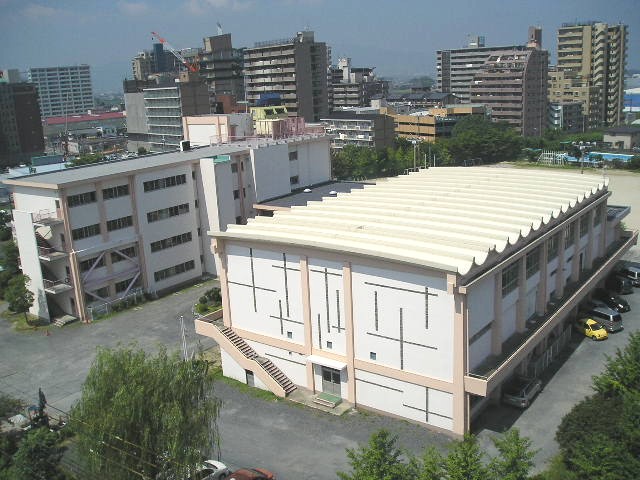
429 125
20 123
402 299
591 64
94 235
361 127
221 66
291 69
63 90
354 86
513 84
566 116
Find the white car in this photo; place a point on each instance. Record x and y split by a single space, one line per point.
211 470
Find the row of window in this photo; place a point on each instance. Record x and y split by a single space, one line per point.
164 213
165 182
170 242
90 197
119 223
175 270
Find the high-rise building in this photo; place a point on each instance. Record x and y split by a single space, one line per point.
513 84
354 86
20 123
221 66
63 90
153 61
292 71
591 62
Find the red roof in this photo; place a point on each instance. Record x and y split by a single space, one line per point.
84 118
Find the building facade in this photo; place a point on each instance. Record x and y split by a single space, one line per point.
592 58
294 70
400 300
95 235
429 125
221 66
513 84
566 116
361 128
354 86
21 133
63 90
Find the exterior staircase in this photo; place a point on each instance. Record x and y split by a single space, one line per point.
267 365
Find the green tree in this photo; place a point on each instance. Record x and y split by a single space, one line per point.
146 414
9 257
37 457
19 297
378 460
515 458
622 371
430 465
465 460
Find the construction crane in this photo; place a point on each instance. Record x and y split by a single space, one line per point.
192 67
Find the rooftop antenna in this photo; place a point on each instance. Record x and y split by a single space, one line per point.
219 28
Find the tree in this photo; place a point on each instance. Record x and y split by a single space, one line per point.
622 372
465 461
37 457
20 298
431 465
5 229
378 460
515 458
145 414
9 257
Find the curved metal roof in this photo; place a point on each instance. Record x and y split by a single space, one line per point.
448 218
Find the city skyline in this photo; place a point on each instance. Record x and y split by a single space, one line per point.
399 41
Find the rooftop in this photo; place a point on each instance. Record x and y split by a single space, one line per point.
446 218
84 118
315 193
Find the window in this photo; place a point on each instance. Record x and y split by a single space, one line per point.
129 252
293 156
552 247
167 213
175 270
193 174
85 265
81 199
170 242
236 194
199 231
597 216
122 286
115 192
329 344
238 220
102 292
533 262
510 278
293 180
234 168
289 334
85 232
119 223
197 204
165 182
372 355
584 225
569 233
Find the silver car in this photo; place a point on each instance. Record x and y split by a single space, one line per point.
519 391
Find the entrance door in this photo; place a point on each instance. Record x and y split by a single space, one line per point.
250 379
331 381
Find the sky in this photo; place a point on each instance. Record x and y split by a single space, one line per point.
398 37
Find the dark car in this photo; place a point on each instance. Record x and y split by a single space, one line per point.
632 272
252 474
611 300
618 284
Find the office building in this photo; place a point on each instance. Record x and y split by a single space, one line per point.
92 236
592 59
63 90
221 67
292 71
429 125
20 123
416 297
354 86
360 127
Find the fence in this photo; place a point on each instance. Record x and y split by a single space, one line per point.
536 367
134 297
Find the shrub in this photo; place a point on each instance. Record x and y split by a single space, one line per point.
202 308
203 299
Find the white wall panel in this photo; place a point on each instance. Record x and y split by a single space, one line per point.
480 304
480 349
292 364
231 369
509 321
326 291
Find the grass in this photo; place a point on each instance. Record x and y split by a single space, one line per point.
20 324
244 388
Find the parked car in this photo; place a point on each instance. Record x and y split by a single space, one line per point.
611 300
207 470
592 329
631 272
252 474
520 391
618 284
610 319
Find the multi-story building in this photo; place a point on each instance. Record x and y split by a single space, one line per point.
93 235
354 86
63 90
566 116
20 123
361 127
418 296
429 125
157 60
292 69
591 63
155 110
221 66
513 84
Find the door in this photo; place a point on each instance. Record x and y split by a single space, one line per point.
250 380
331 381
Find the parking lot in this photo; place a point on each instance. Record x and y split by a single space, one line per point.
293 441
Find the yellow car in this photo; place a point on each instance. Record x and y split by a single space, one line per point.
591 329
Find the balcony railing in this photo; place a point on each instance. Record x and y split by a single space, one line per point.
57 286
50 254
